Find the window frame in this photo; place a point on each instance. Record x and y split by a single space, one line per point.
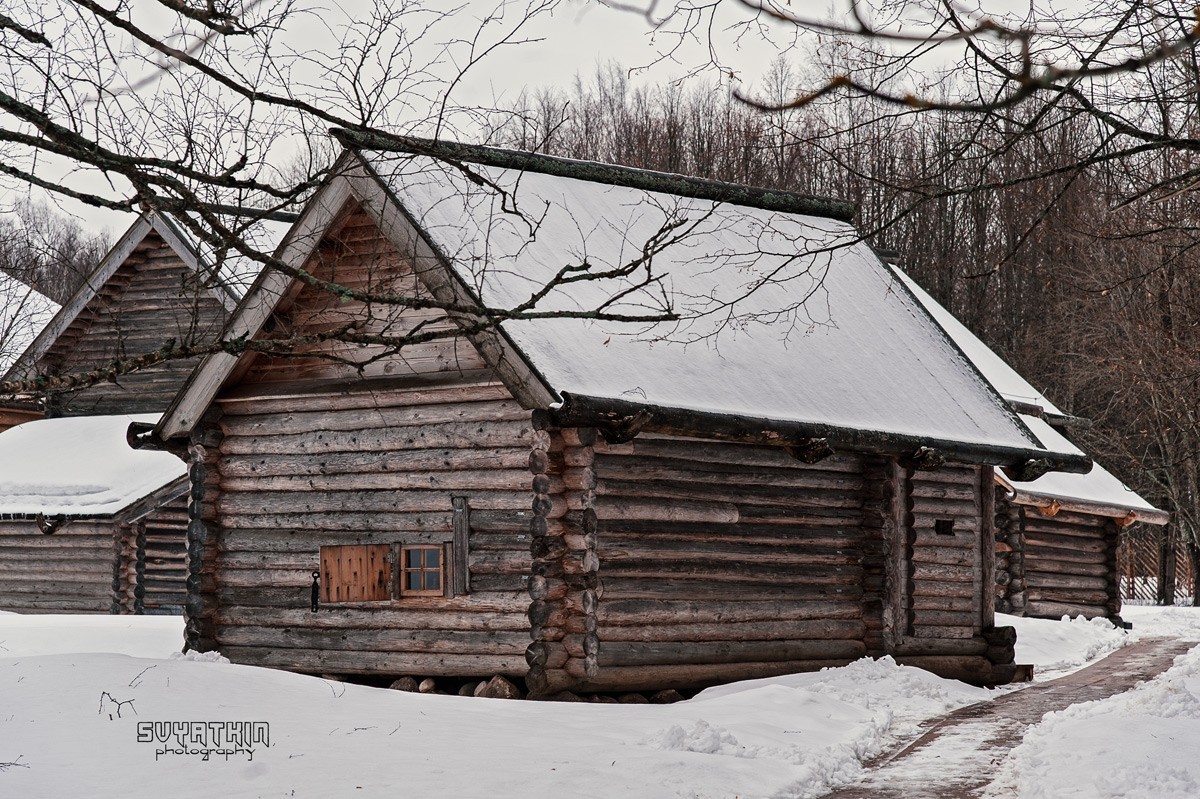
402 570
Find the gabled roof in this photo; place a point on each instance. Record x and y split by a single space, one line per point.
79 467
1099 490
235 272
24 313
786 319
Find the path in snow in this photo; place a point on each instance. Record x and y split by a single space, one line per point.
959 755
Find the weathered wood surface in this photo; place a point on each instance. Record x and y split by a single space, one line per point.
311 452
151 299
70 571
1060 564
947 567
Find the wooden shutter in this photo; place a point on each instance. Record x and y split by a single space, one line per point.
355 573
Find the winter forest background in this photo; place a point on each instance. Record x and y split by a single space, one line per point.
1062 229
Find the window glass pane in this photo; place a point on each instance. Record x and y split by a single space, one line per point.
432 556
412 558
433 581
412 581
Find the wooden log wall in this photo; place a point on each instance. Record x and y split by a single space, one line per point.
715 562
1068 565
1010 556
948 564
163 558
944 520
564 586
153 297
124 565
372 468
68 571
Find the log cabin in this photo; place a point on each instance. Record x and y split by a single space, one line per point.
81 514
157 285
1057 537
707 440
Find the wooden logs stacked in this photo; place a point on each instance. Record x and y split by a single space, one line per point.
199 610
879 527
565 569
1010 557
139 568
1070 564
1112 562
123 557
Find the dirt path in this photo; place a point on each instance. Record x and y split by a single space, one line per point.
957 757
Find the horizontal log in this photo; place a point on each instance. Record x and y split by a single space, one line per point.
676 470
1090 555
691 450
947 618
685 677
951 646
328 661
940 588
617 613
963 492
946 556
933 571
670 492
462 435
297 422
790 630
701 568
1045 580
409 641
1034 524
260 400
370 462
976 670
1042 609
619 531
705 512
1070 596
60 604
341 522
952 603
383 502
943 508
616 653
620 588
935 631
653 549
459 480
1040 565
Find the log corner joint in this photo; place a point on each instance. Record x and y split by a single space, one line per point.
620 429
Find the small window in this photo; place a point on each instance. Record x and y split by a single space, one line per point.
421 571
943 527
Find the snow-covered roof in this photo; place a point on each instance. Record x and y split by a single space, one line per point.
1005 379
79 466
24 312
786 316
1098 488
785 321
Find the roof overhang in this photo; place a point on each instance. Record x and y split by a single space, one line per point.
621 420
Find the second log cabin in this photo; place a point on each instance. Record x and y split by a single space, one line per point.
598 428
157 287
1057 537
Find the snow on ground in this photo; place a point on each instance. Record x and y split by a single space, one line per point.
1143 744
70 725
1056 648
